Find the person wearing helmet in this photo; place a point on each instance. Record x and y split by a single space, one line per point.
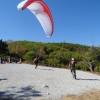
72 67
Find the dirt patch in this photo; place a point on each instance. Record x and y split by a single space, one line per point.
90 95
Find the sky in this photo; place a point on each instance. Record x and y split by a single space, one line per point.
75 21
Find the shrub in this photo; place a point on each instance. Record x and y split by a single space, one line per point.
97 69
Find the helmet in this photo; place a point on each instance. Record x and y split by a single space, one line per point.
72 58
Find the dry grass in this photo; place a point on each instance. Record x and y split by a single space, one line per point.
90 95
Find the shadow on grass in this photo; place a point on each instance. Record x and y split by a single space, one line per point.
23 94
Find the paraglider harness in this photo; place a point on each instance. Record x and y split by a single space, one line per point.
36 60
72 64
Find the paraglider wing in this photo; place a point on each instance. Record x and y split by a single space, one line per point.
42 13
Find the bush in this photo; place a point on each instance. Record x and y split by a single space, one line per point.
97 69
82 66
29 55
52 62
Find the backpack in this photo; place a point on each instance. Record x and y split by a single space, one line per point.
36 60
72 63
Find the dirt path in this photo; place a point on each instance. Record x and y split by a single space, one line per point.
90 95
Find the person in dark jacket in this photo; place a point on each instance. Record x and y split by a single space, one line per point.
36 61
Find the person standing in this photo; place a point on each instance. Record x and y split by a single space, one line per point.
0 60
72 67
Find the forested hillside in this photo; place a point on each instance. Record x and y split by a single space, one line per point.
53 54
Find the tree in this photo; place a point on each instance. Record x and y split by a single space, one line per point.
29 55
3 48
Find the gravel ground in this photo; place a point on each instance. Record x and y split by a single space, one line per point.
24 82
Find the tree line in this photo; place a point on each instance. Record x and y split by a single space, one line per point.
52 54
